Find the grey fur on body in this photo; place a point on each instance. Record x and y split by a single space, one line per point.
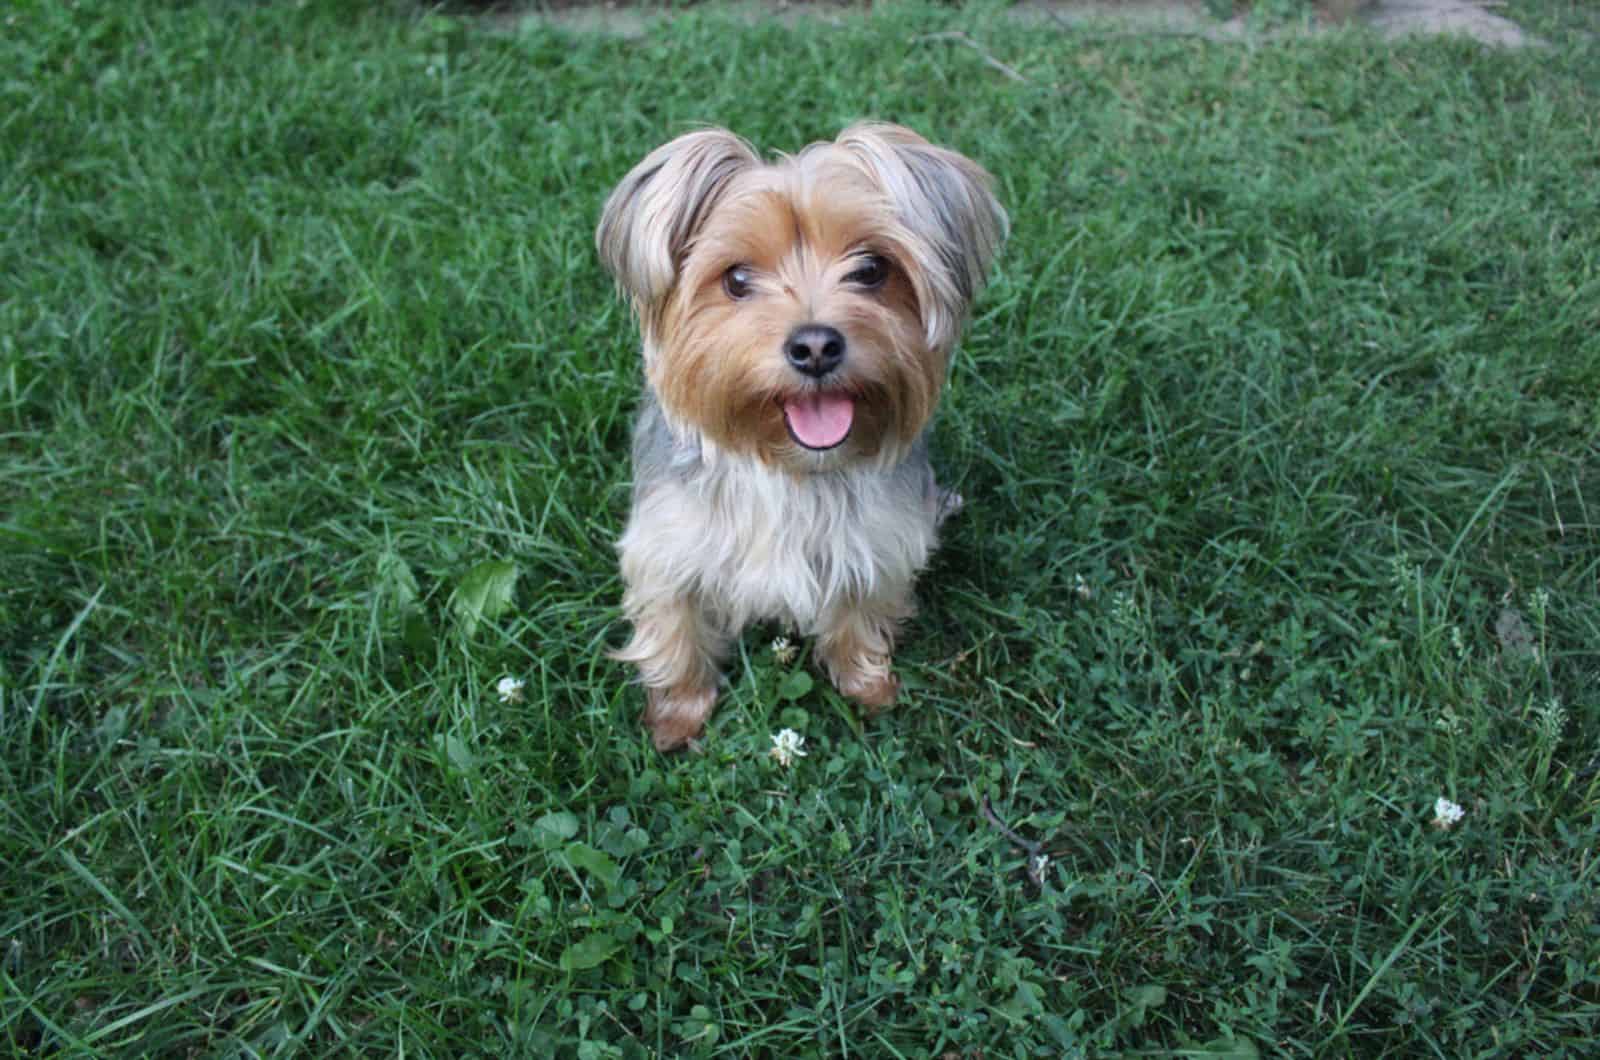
755 543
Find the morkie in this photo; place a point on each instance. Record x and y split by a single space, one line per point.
798 319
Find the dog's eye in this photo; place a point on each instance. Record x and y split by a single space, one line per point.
871 273
737 282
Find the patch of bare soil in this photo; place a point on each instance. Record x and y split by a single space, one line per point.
1391 18
1469 18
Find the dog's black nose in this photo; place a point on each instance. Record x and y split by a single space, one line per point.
814 349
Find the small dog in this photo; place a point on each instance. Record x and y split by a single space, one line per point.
798 319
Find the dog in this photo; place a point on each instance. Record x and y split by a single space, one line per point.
798 319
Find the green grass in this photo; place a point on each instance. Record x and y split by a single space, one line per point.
1280 433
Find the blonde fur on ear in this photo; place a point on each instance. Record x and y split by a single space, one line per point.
655 211
949 200
930 183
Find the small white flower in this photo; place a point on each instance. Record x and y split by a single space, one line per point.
1080 586
1404 573
787 746
1446 813
784 650
1123 609
1552 718
510 689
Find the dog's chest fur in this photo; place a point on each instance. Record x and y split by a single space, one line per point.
756 543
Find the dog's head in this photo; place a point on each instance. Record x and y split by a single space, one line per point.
804 310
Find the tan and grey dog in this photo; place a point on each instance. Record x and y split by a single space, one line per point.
798 319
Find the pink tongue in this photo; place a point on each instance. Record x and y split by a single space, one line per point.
819 421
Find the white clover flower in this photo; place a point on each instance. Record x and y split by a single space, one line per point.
783 650
1446 813
787 746
510 689
1552 718
1403 573
1124 611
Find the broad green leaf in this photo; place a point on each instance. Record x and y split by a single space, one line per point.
589 952
596 863
1152 996
484 593
555 828
396 585
456 750
795 685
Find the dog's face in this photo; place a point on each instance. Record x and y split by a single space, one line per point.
802 311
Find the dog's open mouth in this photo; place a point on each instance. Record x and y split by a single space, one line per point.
821 420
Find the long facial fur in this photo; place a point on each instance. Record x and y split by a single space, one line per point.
705 202
757 544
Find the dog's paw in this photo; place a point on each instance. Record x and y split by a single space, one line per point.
875 688
675 716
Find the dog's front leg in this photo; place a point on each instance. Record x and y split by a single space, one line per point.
856 647
678 650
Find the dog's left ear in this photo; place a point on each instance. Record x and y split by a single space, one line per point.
944 196
658 207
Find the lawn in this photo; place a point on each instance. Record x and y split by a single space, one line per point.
1279 430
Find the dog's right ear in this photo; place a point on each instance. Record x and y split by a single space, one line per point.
651 216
